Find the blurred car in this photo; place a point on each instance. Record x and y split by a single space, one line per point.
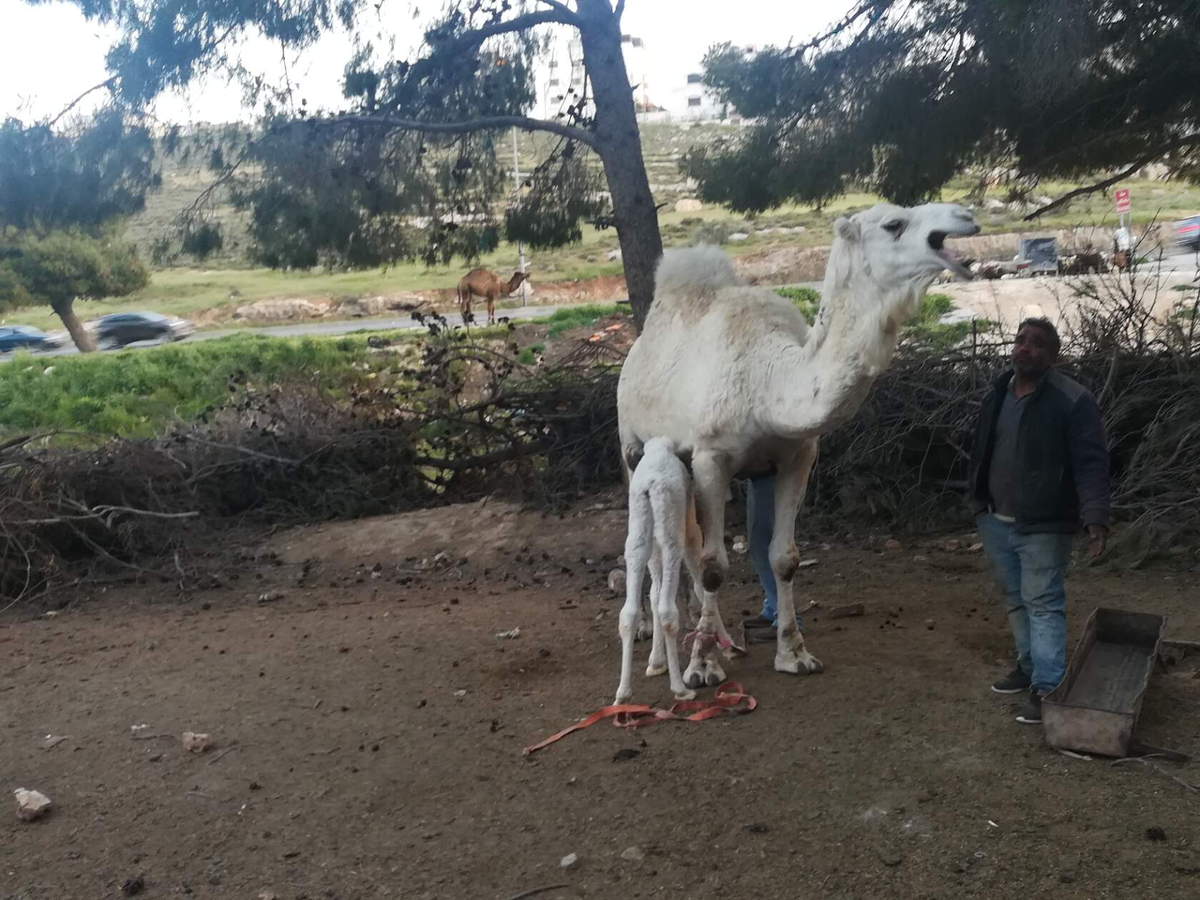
26 337
1187 233
120 329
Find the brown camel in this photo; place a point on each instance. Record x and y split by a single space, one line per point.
486 285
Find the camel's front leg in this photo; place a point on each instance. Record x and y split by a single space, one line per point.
709 631
710 472
790 487
693 541
702 604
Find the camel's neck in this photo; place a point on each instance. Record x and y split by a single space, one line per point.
818 385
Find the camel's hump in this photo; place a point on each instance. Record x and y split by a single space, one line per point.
694 269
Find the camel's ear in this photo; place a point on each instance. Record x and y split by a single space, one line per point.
847 229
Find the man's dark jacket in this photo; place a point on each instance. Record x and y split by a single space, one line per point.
1062 457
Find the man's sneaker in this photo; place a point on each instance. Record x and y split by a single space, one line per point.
1013 683
1031 712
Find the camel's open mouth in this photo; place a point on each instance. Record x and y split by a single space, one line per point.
937 242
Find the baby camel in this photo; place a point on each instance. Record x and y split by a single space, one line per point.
488 286
659 496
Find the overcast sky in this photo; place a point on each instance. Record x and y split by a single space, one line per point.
49 54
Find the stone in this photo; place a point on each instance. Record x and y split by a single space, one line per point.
633 854
31 805
616 581
738 237
688 204
892 544
570 861
195 742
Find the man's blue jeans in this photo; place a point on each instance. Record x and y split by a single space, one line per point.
1031 570
760 513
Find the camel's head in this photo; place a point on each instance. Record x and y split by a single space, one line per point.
515 281
903 247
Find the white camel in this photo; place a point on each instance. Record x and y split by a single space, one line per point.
659 495
734 377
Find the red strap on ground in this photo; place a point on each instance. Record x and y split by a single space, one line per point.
729 697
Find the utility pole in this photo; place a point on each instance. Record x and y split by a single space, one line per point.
517 182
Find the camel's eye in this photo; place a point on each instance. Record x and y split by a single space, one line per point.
895 227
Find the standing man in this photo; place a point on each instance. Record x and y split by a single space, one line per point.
1039 465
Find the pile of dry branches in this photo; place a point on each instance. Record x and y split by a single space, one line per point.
467 421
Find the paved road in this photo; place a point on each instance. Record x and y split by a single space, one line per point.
403 323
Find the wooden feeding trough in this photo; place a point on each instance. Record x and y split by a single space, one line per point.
1095 708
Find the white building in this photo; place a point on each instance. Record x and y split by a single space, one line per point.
689 100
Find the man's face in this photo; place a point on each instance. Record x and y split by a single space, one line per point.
1032 354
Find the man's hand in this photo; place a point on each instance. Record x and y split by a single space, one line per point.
1097 540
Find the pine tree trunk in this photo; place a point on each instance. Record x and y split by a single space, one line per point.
620 147
80 335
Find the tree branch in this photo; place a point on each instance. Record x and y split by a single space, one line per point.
565 11
558 15
468 42
108 82
1140 163
875 8
484 123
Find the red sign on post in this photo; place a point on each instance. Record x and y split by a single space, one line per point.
1123 200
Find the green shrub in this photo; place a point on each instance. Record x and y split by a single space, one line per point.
806 299
571 317
136 393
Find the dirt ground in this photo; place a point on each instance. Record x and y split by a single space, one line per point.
368 727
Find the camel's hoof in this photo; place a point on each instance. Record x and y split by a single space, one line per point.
645 632
655 669
622 698
694 676
713 674
800 664
685 695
